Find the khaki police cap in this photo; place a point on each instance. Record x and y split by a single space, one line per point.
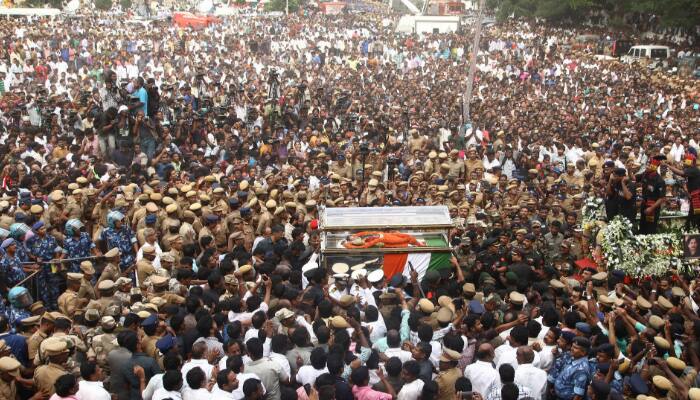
426 306
106 284
112 253
54 346
87 268
10 366
158 280
449 355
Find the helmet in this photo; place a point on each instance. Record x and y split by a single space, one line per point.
17 297
18 230
73 226
112 217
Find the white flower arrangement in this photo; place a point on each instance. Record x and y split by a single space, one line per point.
641 255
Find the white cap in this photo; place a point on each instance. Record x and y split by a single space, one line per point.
375 276
358 273
340 268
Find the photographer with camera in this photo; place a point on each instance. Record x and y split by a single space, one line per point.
110 95
144 129
153 98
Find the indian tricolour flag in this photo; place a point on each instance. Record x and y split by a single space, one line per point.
399 263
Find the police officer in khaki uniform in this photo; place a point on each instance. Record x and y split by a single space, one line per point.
265 220
218 199
160 289
175 249
248 230
46 327
87 290
123 290
9 372
92 316
104 343
139 211
74 207
449 373
171 229
341 167
45 376
28 326
456 166
69 301
56 213
171 218
106 290
111 271
144 267
73 342
148 341
187 231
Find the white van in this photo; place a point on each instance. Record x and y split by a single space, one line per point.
647 52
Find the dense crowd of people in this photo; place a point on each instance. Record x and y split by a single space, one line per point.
161 188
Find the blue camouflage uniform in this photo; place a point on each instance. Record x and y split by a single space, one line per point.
573 379
48 281
15 314
77 247
559 363
22 252
12 269
123 239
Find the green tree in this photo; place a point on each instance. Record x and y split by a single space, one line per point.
103 5
42 3
671 13
126 4
281 5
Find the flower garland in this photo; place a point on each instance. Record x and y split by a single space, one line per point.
641 255
593 210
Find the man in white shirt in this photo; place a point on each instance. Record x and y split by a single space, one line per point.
198 360
196 385
307 374
393 340
170 363
413 387
526 374
482 373
226 383
270 373
278 346
91 387
506 353
236 365
172 386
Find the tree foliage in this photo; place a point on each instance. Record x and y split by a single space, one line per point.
43 3
671 13
126 4
281 5
103 5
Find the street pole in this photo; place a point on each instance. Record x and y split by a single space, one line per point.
287 7
472 63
